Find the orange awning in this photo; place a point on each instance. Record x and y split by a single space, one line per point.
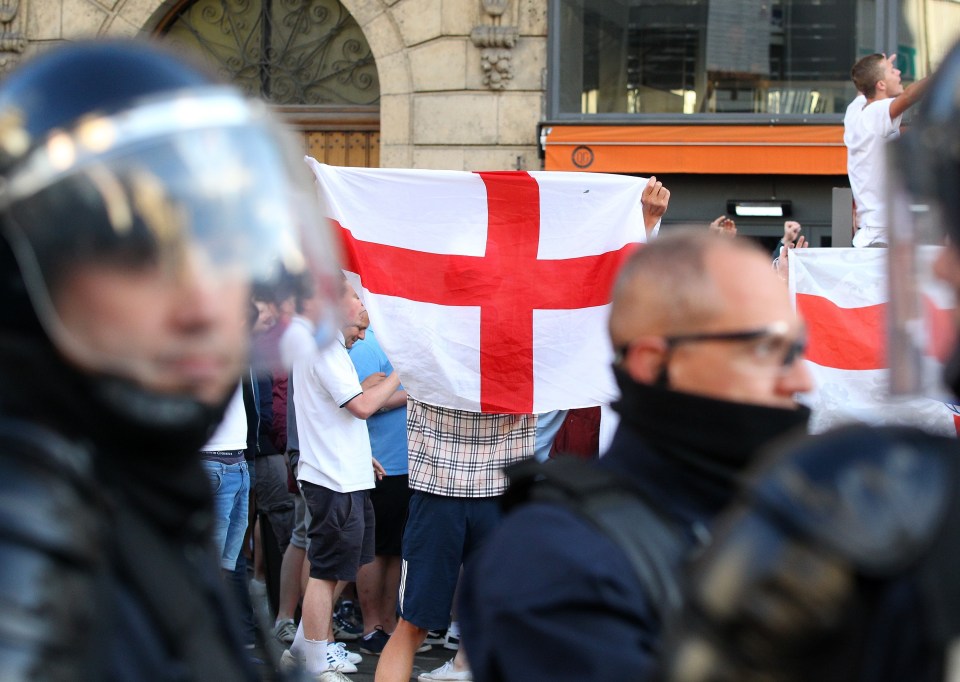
726 149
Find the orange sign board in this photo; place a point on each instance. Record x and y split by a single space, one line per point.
721 149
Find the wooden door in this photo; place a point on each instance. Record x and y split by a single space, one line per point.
339 136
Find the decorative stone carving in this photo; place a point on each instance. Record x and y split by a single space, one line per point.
12 39
495 7
495 41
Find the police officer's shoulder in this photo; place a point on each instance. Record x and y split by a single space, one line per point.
877 495
594 496
47 486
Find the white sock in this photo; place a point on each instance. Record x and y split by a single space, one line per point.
316 660
299 646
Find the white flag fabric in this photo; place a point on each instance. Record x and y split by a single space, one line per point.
489 292
842 296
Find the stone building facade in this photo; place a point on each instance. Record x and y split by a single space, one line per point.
461 81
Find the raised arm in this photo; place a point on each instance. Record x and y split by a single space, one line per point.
654 200
912 94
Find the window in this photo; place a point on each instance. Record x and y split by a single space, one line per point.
772 57
286 51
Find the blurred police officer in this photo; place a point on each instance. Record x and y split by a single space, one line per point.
139 202
841 562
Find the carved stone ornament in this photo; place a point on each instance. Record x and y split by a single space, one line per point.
12 39
495 41
495 7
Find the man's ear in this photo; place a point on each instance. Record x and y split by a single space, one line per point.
645 358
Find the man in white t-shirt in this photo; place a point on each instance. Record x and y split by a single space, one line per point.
224 462
335 472
872 120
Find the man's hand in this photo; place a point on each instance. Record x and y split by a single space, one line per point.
372 380
723 226
654 201
782 264
912 94
378 469
791 230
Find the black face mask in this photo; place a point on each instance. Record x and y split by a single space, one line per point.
730 434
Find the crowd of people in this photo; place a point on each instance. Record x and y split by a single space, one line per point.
162 488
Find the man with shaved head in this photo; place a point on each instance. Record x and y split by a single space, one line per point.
708 360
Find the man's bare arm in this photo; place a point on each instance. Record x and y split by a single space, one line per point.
372 399
397 399
912 94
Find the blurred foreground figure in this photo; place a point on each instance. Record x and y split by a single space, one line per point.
139 203
841 560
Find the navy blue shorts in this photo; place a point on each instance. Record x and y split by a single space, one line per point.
440 534
341 532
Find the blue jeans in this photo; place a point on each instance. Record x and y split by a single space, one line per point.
231 500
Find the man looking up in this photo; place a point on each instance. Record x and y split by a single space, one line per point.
709 352
872 120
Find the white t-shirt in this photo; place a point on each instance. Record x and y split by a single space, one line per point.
297 341
232 432
334 445
867 130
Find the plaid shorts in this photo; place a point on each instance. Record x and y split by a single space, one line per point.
456 453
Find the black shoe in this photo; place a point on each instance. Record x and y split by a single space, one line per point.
349 611
436 637
374 642
345 630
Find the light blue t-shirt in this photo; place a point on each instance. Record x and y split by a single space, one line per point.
388 430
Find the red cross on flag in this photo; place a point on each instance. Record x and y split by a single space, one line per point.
842 296
489 292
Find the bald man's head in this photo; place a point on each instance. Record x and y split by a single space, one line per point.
667 287
674 297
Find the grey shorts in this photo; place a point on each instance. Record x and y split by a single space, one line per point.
274 499
301 520
301 515
341 532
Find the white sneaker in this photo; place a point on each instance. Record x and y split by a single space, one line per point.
446 672
332 676
289 662
435 637
452 639
352 656
337 659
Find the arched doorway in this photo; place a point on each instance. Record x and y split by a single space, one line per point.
308 58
